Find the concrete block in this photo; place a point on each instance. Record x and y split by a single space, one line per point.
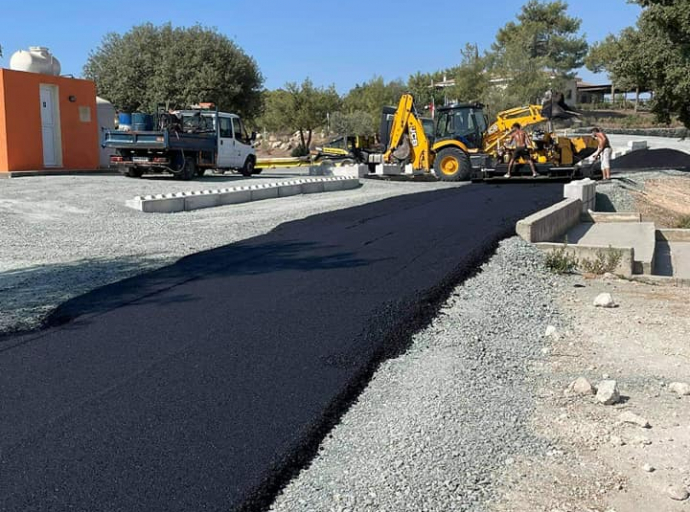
236 195
592 252
312 186
351 183
321 170
162 203
201 199
636 145
351 171
389 169
551 223
264 191
289 190
584 190
332 185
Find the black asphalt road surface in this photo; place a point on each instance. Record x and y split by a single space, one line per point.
203 386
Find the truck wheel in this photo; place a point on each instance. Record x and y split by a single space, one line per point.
200 171
452 164
248 168
189 169
133 172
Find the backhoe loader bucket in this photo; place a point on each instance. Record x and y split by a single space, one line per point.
555 107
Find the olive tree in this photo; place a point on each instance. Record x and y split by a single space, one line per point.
176 66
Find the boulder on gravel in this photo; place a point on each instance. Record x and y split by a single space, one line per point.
580 386
607 392
681 388
631 417
604 300
678 492
551 331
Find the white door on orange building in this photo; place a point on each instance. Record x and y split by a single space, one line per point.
50 124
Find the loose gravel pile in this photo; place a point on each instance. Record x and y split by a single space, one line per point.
653 159
62 236
614 196
436 424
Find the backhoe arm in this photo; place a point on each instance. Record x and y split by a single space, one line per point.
407 136
500 129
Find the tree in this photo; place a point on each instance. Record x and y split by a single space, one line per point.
422 89
539 52
657 55
471 77
353 123
372 96
300 107
150 65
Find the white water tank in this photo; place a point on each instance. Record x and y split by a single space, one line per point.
37 60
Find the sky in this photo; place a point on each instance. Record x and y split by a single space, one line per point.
343 43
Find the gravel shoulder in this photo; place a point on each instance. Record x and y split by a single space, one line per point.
437 426
62 236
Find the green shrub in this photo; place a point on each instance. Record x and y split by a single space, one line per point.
299 151
684 222
559 261
604 262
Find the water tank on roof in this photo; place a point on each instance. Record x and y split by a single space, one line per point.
37 60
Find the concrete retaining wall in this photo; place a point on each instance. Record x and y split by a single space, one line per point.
187 201
625 267
673 235
552 223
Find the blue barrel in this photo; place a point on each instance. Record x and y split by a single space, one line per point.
124 120
142 122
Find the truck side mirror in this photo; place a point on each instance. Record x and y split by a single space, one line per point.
253 137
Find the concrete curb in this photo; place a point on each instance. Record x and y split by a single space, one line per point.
549 224
188 201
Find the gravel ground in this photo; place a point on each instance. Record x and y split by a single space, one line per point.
436 426
62 236
614 195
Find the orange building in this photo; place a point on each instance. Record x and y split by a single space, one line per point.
47 122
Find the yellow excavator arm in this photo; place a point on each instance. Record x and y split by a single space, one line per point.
501 128
407 138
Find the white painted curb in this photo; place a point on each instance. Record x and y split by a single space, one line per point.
187 201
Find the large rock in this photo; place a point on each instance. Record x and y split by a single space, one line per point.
581 386
631 417
681 388
604 300
677 492
607 392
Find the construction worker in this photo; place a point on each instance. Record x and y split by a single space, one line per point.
603 151
521 140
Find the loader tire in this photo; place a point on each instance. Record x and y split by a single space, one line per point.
452 164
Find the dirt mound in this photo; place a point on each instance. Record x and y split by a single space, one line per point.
653 159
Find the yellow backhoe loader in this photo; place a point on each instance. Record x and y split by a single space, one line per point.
464 146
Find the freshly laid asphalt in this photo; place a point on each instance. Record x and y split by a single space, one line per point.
204 386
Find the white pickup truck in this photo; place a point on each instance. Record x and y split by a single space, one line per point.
186 143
